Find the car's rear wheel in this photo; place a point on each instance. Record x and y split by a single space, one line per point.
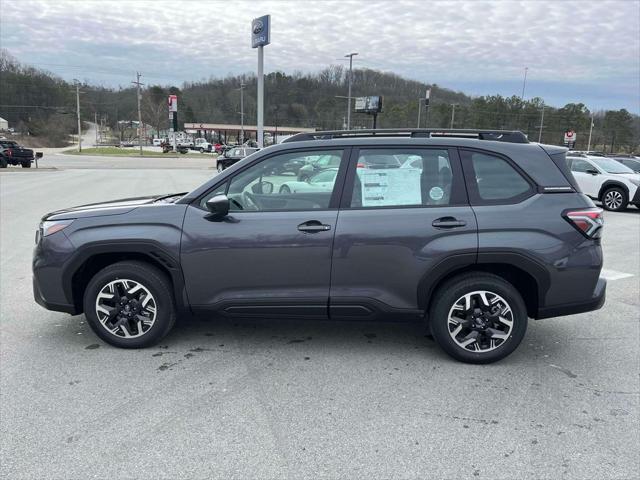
130 304
201 150
478 318
26 164
614 199
3 162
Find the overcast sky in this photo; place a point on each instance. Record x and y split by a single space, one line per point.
576 51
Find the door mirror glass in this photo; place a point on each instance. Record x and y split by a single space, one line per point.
218 205
264 188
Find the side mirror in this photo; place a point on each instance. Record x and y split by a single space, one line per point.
592 171
218 206
262 188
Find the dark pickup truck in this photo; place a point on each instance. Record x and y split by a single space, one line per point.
13 154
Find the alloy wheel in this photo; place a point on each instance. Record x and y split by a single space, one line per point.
480 321
613 199
126 308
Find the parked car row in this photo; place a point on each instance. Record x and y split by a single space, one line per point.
613 181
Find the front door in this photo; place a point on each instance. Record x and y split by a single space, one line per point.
404 212
272 253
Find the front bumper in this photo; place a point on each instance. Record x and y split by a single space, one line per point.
57 307
594 303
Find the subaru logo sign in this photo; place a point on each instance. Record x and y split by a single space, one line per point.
261 31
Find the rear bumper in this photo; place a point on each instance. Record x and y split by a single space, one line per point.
594 303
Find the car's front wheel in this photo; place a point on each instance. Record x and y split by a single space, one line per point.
478 318
130 304
614 199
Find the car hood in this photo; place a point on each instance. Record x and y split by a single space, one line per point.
114 207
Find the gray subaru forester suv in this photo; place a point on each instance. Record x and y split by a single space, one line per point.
472 232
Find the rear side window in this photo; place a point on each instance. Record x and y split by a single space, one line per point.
581 166
402 177
492 179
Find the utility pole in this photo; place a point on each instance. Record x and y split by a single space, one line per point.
453 113
138 84
242 85
95 123
78 114
350 55
419 110
590 131
541 124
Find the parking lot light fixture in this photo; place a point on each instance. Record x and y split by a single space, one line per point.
350 56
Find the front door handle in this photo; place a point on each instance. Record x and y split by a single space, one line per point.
448 222
313 226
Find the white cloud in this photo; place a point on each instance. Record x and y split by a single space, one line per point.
448 42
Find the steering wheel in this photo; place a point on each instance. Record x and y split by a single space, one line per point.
249 201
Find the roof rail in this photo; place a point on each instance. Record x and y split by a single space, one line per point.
510 136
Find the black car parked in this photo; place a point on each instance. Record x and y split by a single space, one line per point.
484 232
13 154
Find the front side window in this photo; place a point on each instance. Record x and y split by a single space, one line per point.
402 177
274 184
495 179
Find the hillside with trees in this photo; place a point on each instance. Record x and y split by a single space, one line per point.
43 105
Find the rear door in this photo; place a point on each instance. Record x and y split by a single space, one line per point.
395 225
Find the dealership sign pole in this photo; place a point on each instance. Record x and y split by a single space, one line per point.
173 116
260 36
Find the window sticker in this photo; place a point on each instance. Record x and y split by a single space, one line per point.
385 187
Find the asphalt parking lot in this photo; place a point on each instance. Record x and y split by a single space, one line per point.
286 399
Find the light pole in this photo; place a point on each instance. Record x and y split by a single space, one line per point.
590 131
426 106
242 85
350 55
524 83
541 124
78 115
453 113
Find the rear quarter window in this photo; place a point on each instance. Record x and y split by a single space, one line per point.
492 179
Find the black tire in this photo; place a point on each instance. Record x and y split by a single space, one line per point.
201 150
614 199
26 164
3 162
285 190
154 280
448 294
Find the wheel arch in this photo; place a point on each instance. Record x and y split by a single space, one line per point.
612 183
528 277
93 258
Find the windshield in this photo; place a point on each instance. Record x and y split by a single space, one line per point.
611 166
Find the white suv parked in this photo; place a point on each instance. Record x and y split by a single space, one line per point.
612 183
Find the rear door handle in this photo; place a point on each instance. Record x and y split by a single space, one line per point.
448 222
313 226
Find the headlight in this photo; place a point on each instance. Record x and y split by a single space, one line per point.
51 227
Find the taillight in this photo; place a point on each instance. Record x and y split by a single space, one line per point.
9 152
588 221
